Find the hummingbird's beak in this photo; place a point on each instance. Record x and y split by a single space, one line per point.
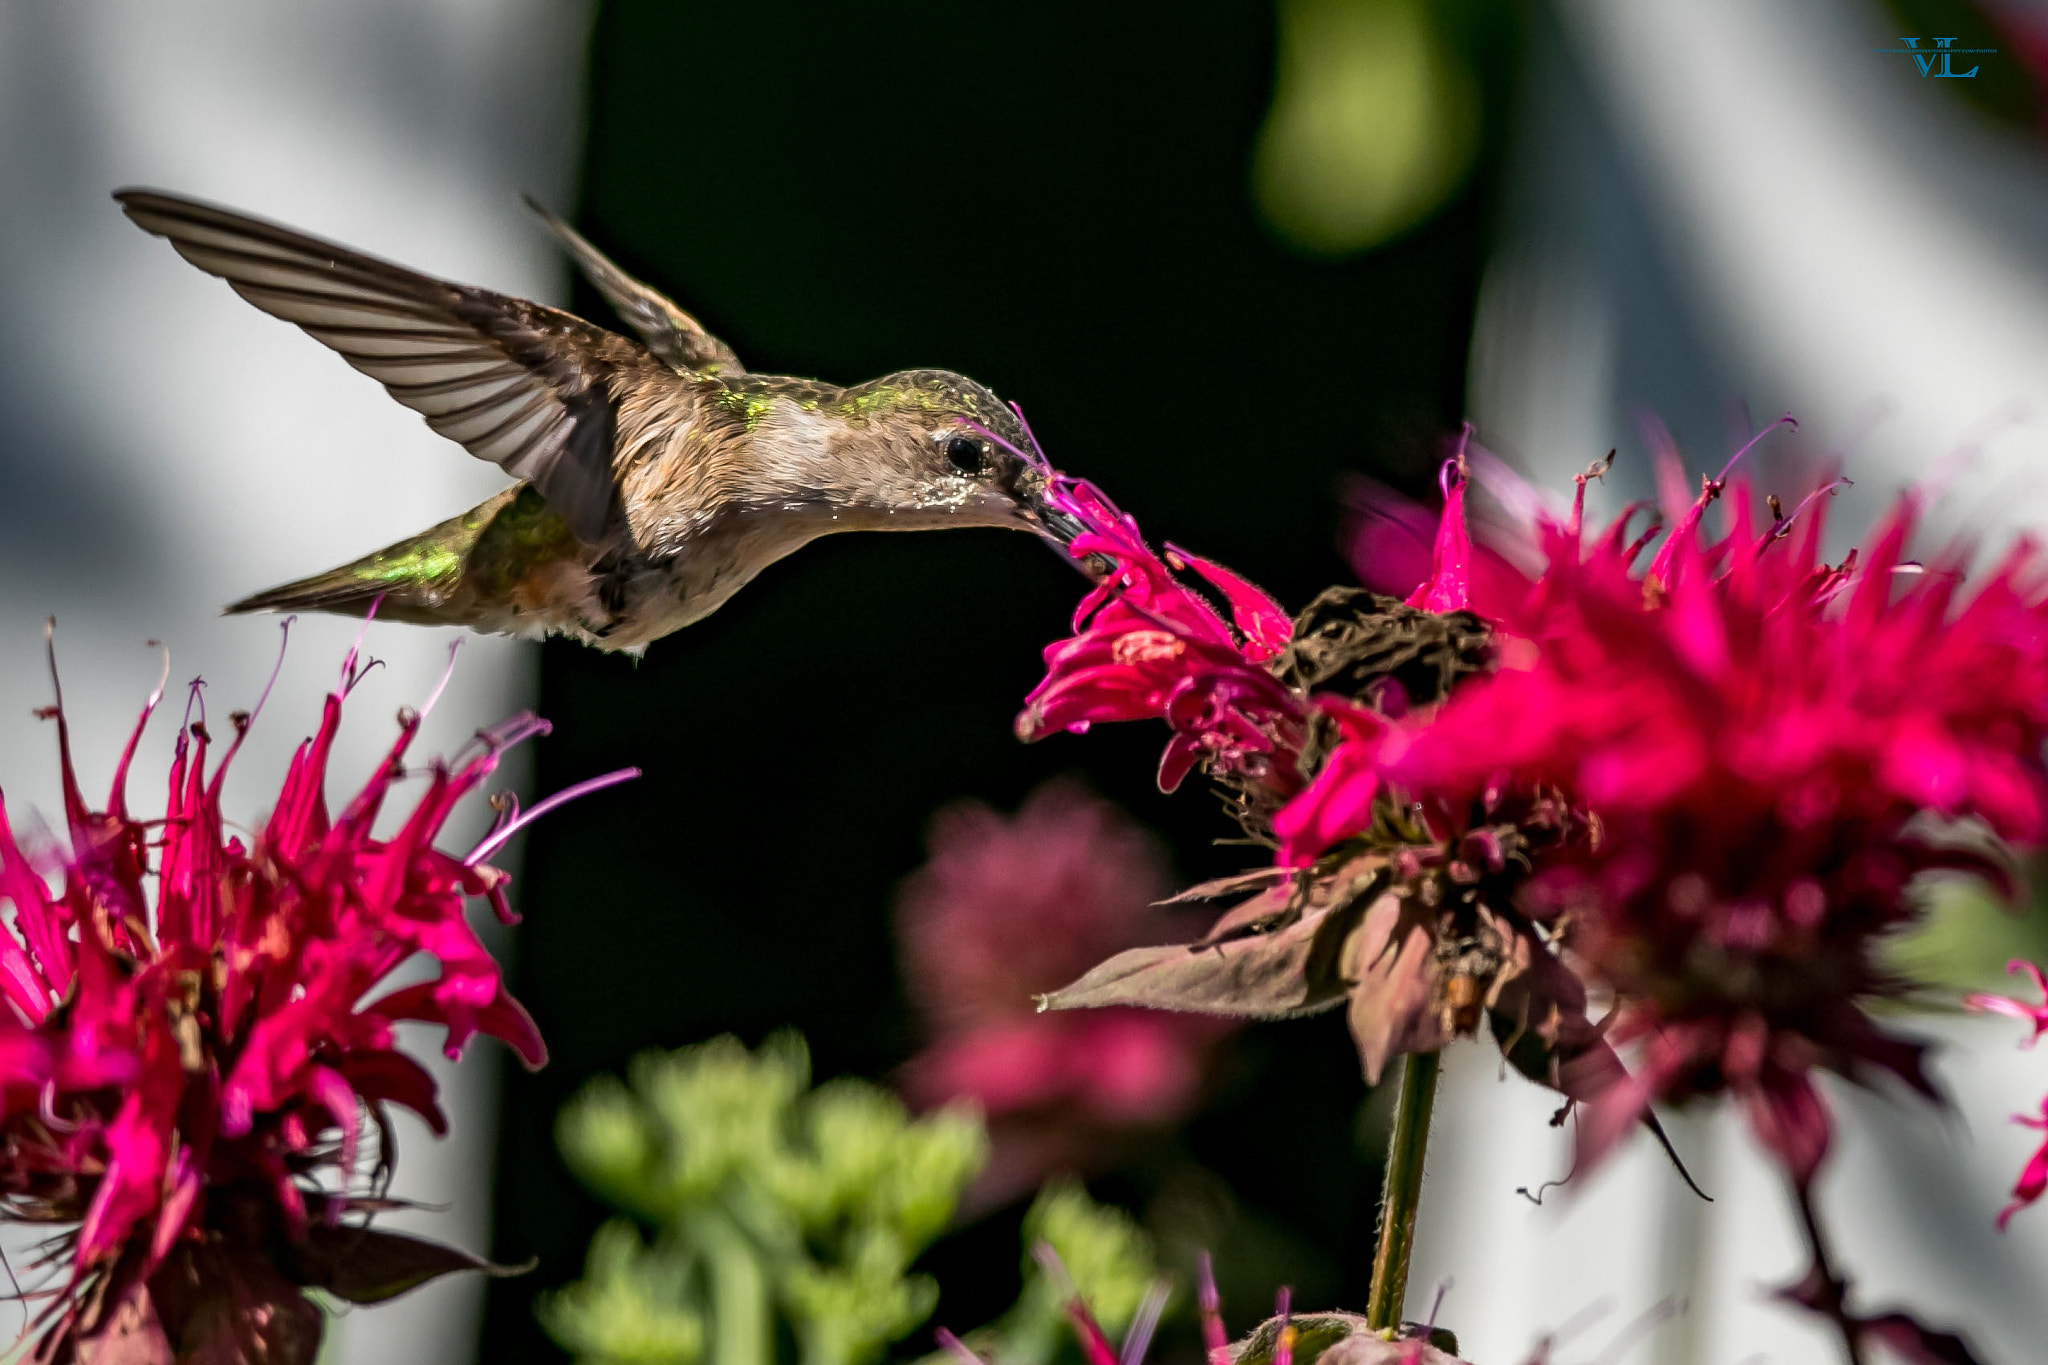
1046 516
1059 527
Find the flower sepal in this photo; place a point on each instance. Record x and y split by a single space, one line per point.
1344 1339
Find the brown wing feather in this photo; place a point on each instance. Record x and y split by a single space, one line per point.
669 332
517 383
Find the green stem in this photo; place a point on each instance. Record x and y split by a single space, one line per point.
743 1329
1401 1191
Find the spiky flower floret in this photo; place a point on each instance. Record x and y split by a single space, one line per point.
1147 645
1769 750
199 1029
2033 1177
1286 1338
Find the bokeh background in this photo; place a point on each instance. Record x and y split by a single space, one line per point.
1226 253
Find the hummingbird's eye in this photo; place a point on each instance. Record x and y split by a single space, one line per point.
964 454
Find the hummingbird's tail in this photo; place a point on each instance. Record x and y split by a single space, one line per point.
467 571
346 591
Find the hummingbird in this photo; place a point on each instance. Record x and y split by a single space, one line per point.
656 476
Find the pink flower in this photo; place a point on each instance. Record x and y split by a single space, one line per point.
1761 739
1147 645
1009 907
2034 1176
1701 787
1413 927
187 1060
1439 560
1449 585
2033 1181
1339 802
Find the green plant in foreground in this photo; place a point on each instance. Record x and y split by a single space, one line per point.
1109 1260
762 1211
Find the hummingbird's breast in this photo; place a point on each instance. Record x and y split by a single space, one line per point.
716 482
627 602
695 528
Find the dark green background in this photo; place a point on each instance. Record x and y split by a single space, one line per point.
1052 198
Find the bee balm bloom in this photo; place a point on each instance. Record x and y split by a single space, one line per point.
1148 645
198 1029
1413 931
1702 787
1772 749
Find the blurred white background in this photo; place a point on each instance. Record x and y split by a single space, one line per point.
165 448
1716 202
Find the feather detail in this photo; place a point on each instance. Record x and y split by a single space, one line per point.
670 333
527 387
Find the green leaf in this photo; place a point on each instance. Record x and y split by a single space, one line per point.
609 1140
725 1111
1110 1259
773 1199
1109 1256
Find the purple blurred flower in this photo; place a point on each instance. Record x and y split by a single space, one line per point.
1008 907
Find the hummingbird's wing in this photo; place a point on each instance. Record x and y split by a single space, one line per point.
525 386
669 332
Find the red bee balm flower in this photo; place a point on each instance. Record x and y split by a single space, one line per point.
1703 788
1147 645
187 1084
1762 739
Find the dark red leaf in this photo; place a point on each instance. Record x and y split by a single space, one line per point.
1264 976
364 1265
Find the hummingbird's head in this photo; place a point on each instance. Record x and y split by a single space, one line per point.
933 448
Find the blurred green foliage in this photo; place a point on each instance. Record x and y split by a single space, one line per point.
1970 932
761 1210
1374 124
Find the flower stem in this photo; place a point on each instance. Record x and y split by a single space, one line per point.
1829 1291
1401 1190
743 1331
